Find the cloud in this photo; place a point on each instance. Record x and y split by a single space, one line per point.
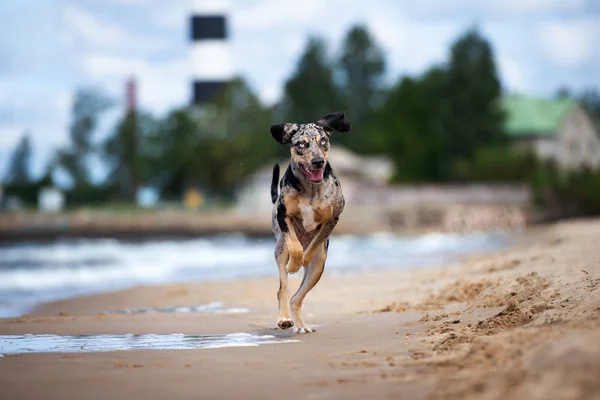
531 6
411 46
161 85
210 5
271 93
512 74
84 25
123 2
270 14
85 30
10 136
492 9
569 44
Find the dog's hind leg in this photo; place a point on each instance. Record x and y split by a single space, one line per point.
281 257
312 274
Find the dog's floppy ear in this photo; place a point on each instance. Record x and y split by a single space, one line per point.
334 122
283 133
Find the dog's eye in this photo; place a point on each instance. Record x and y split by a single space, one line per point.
302 145
323 142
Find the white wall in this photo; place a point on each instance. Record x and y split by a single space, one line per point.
579 143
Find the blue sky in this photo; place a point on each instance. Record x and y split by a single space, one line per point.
50 47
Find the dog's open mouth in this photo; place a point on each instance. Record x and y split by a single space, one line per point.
315 175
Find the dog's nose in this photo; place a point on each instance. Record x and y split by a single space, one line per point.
317 162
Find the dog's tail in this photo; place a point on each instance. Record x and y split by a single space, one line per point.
275 183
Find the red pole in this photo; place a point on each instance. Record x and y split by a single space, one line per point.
131 95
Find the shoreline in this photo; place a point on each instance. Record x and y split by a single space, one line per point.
157 224
520 322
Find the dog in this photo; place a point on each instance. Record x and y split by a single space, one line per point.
306 210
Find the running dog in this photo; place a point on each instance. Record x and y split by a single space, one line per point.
305 211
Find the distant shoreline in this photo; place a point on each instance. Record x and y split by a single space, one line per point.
120 225
140 225
174 223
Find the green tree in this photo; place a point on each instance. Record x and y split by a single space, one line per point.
404 129
88 105
127 152
362 68
216 146
174 151
497 164
311 92
19 167
234 142
469 108
590 99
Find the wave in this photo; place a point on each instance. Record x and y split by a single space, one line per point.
33 272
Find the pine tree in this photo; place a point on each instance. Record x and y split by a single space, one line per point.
19 167
362 66
470 112
88 106
311 92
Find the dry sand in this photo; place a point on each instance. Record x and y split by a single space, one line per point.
523 323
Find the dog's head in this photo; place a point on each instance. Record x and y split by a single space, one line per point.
310 142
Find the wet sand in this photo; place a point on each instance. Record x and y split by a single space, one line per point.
523 323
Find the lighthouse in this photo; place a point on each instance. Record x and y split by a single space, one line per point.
210 54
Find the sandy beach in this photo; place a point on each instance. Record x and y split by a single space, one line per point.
522 322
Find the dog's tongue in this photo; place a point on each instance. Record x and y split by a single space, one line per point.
315 175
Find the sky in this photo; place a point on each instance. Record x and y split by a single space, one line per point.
49 48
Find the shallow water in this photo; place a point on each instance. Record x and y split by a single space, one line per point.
31 273
19 344
215 307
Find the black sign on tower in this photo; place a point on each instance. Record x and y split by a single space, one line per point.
212 66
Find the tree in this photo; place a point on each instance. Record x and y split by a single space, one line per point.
362 68
214 146
470 110
311 92
89 104
590 99
174 151
127 153
19 167
404 129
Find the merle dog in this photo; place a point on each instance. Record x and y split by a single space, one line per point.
306 210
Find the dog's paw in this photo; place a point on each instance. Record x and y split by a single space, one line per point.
285 323
303 329
292 268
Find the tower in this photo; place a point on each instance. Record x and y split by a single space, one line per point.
211 60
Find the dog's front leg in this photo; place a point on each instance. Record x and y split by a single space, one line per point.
318 240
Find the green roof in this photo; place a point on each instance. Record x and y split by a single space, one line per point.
528 116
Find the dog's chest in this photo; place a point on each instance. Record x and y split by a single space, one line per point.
312 213
308 215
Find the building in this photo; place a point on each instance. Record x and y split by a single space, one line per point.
51 199
360 176
211 58
558 130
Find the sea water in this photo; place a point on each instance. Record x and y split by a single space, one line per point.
34 272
